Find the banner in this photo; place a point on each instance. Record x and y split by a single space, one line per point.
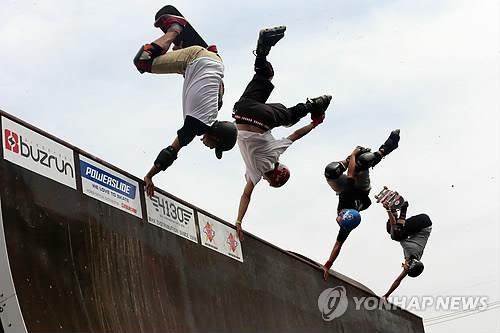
110 187
38 153
219 237
172 216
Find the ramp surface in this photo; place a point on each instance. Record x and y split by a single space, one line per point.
86 252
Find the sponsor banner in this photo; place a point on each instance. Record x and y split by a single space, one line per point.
109 186
37 153
219 237
172 216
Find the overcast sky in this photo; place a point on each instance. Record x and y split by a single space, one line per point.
428 67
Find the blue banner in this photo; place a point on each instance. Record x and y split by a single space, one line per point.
107 180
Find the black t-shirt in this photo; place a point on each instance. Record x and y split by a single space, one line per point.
192 127
413 224
353 198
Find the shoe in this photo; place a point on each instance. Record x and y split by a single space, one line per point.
391 143
268 38
317 106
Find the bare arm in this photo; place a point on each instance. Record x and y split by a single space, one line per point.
242 209
335 251
333 256
301 132
166 40
395 284
245 200
392 218
351 167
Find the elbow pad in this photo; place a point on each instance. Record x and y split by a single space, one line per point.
165 158
143 60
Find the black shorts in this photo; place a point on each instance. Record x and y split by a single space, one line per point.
252 108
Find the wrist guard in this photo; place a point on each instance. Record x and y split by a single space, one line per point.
144 58
165 158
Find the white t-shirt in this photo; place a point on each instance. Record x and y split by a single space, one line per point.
260 152
200 95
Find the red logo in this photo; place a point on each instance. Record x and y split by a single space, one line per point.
232 242
11 141
209 231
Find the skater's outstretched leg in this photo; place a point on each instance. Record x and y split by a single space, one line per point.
260 87
370 159
267 39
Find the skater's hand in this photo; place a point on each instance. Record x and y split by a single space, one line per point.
239 230
149 187
386 205
356 150
325 273
318 120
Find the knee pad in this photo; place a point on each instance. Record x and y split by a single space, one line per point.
165 158
367 160
334 170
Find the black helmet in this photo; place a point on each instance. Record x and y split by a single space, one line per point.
415 267
225 134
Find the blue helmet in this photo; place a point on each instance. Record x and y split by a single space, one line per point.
350 219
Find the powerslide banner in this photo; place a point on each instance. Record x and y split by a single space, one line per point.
110 187
219 237
172 216
38 153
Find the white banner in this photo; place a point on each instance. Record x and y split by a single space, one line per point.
172 216
109 186
219 237
38 153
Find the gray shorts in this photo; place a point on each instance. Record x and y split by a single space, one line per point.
414 245
361 182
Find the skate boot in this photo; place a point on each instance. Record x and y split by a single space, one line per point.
268 38
317 106
391 143
263 67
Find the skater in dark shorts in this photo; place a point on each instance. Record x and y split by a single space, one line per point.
255 119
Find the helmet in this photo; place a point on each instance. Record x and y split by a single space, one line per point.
334 170
279 175
350 219
225 134
415 267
